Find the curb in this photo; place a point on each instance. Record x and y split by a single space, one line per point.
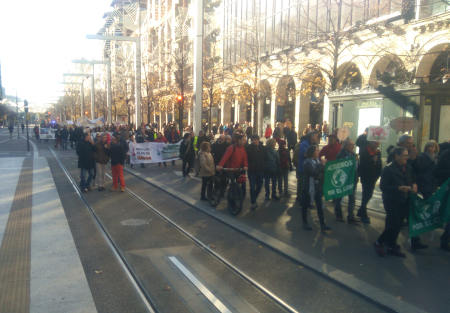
345 279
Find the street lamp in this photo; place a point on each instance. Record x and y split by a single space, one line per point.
92 89
107 62
137 63
81 94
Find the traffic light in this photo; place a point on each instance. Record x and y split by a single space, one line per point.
86 113
179 99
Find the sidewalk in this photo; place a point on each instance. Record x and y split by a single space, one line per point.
40 270
421 279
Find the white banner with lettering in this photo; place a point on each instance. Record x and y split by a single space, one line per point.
47 133
154 152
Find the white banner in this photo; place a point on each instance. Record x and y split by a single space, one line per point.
47 133
378 133
154 152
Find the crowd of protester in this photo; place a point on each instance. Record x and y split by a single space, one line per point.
268 165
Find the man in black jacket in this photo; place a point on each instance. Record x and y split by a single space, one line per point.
255 156
347 152
442 173
86 161
218 149
369 170
397 181
117 153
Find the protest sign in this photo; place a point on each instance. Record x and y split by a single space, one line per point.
426 215
154 152
339 178
47 133
378 133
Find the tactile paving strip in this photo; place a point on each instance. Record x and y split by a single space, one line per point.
15 249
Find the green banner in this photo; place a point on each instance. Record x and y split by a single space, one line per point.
339 179
429 214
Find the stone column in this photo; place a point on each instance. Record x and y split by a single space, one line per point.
273 109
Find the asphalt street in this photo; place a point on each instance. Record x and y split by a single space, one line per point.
181 276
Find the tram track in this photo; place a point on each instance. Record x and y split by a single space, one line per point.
128 268
377 297
371 293
120 257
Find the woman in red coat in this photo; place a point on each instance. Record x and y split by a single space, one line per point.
268 132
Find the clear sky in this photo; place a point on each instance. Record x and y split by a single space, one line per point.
40 38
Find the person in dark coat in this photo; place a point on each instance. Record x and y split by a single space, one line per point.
291 137
397 182
442 173
313 172
347 152
86 161
187 154
425 169
406 141
64 137
271 169
369 169
117 152
255 155
361 141
218 149
285 164
311 138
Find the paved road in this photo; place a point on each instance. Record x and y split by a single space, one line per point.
52 258
418 283
420 279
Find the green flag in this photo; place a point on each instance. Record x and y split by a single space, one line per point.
426 215
339 178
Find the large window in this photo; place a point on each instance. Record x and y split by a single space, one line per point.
265 26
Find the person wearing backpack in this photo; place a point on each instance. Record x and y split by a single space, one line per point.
285 163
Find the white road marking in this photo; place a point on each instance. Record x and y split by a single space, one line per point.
199 285
57 280
10 177
35 149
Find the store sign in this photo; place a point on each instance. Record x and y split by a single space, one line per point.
403 124
378 133
339 179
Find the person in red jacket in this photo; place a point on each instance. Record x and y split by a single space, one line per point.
161 138
268 132
331 150
235 156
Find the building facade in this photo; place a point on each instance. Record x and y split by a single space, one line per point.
352 63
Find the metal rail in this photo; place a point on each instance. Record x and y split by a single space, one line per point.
127 268
227 263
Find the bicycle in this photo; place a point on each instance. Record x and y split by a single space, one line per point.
235 195
215 189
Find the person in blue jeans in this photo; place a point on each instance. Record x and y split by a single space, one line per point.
86 161
255 155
